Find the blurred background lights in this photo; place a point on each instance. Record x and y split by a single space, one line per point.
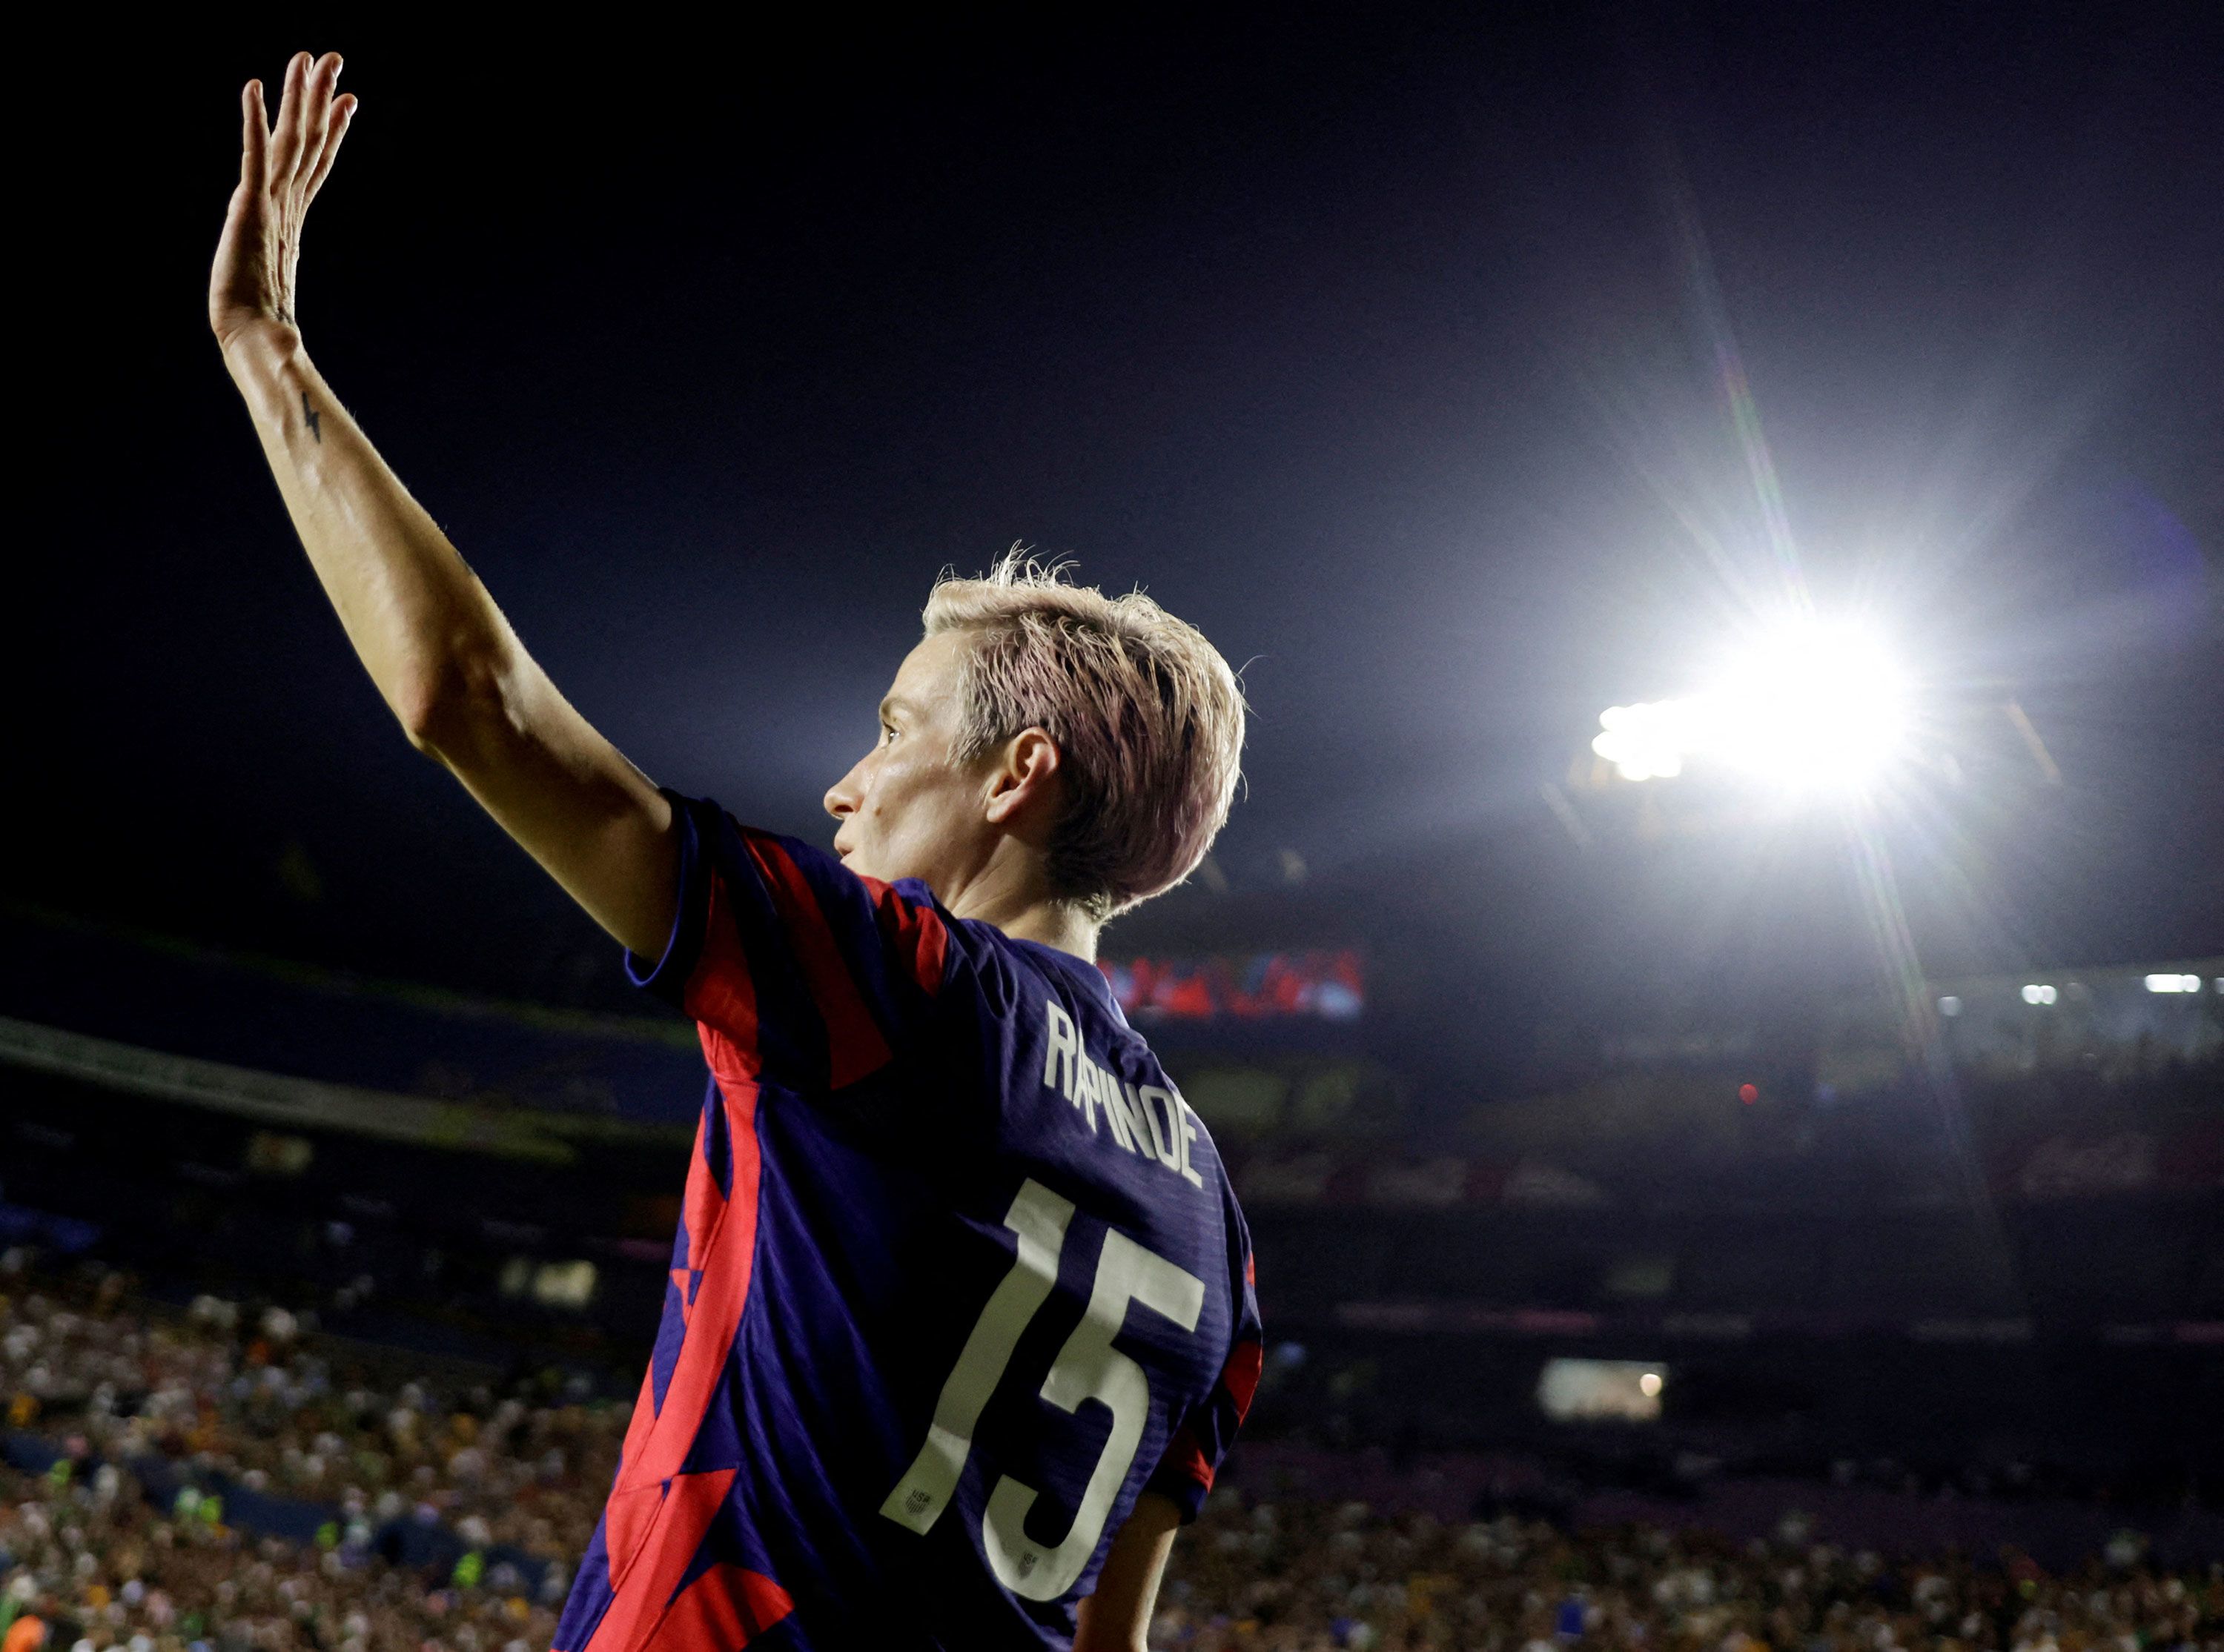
1811 705
2039 992
2173 983
1598 1390
1649 741
1949 1006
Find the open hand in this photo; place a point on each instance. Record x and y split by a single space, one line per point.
280 170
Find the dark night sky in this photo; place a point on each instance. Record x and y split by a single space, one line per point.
1384 350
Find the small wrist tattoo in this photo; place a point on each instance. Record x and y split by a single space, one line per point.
310 413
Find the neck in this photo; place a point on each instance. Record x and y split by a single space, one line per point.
1011 893
1054 924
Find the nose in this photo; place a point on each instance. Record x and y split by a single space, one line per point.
841 799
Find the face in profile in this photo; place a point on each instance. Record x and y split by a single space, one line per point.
908 808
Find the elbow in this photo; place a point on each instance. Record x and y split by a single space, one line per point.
418 712
444 710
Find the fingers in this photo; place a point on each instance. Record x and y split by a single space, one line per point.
254 136
316 113
304 132
335 128
286 135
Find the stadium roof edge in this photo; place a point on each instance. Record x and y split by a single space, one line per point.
646 1029
276 1099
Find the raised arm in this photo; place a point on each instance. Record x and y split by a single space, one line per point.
450 669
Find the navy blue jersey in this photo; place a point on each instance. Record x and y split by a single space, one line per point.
959 1276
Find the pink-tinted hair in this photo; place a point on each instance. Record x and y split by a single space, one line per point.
1147 717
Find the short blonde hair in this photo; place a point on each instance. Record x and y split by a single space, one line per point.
1147 717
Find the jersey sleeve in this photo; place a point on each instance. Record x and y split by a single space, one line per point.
796 969
1200 1445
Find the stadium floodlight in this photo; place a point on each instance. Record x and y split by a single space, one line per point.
1810 706
1648 741
1814 704
2173 983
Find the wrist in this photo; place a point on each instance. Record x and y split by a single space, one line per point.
262 343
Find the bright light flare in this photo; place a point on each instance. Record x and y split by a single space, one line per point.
1812 706
1815 705
1649 741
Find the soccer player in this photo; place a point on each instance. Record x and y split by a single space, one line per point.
960 1320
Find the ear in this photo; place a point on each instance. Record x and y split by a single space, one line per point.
1025 788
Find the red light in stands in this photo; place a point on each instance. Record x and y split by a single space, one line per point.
1749 1094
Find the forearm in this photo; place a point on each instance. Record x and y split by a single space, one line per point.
423 625
446 661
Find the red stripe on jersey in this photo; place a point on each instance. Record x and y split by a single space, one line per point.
1185 1456
642 1586
642 1423
728 1606
725 1254
1240 1376
703 1211
854 1044
626 1519
721 993
703 1207
914 933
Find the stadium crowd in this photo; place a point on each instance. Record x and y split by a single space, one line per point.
1304 1576
92 1558
121 1387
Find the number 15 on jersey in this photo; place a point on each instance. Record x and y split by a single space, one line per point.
1087 1368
